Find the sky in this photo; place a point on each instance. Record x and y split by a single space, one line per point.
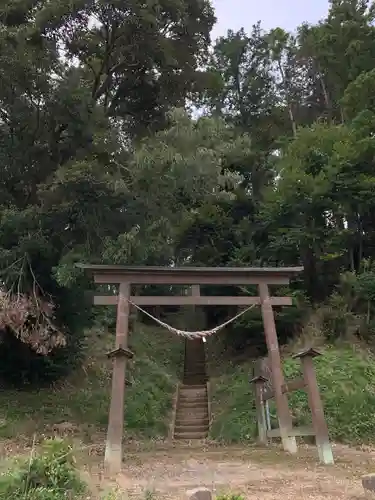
287 14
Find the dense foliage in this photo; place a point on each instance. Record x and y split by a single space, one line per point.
124 138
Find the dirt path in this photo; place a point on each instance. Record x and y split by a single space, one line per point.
257 474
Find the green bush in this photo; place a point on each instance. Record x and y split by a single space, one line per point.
49 475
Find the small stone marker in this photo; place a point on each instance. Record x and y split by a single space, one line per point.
368 483
199 494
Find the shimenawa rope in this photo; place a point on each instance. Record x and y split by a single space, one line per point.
192 335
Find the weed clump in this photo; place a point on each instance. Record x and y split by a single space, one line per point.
49 474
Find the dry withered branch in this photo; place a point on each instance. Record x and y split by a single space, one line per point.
30 316
31 320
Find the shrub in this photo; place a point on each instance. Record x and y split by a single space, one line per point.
49 475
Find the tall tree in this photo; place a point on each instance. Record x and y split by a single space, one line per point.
139 59
340 48
79 81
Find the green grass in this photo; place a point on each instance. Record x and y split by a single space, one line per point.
83 399
233 406
49 473
346 376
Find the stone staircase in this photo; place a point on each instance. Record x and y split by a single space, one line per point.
192 410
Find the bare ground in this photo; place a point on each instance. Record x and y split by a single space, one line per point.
256 473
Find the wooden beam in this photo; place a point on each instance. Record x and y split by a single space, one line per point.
189 275
291 386
296 431
111 300
193 278
294 385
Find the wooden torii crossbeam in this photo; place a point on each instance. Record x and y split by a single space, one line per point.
125 277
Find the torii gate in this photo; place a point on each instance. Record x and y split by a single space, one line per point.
125 277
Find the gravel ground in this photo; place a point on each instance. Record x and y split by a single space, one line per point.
164 471
257 474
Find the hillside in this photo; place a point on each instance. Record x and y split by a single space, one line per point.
105 161
346 376
82 401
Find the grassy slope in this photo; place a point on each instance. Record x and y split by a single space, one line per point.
83 400
346 375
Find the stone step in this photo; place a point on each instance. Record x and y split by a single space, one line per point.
188 403
191 420
192 394
195 379
190 390
188 419
192 412
195 373
193 386
185 403
191 424
193 397
193 408
196 409
180 429
190 435
191 416
193 389
186 399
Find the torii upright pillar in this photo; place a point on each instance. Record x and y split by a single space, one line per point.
113 446
285 420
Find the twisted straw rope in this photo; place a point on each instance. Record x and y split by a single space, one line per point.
192 335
